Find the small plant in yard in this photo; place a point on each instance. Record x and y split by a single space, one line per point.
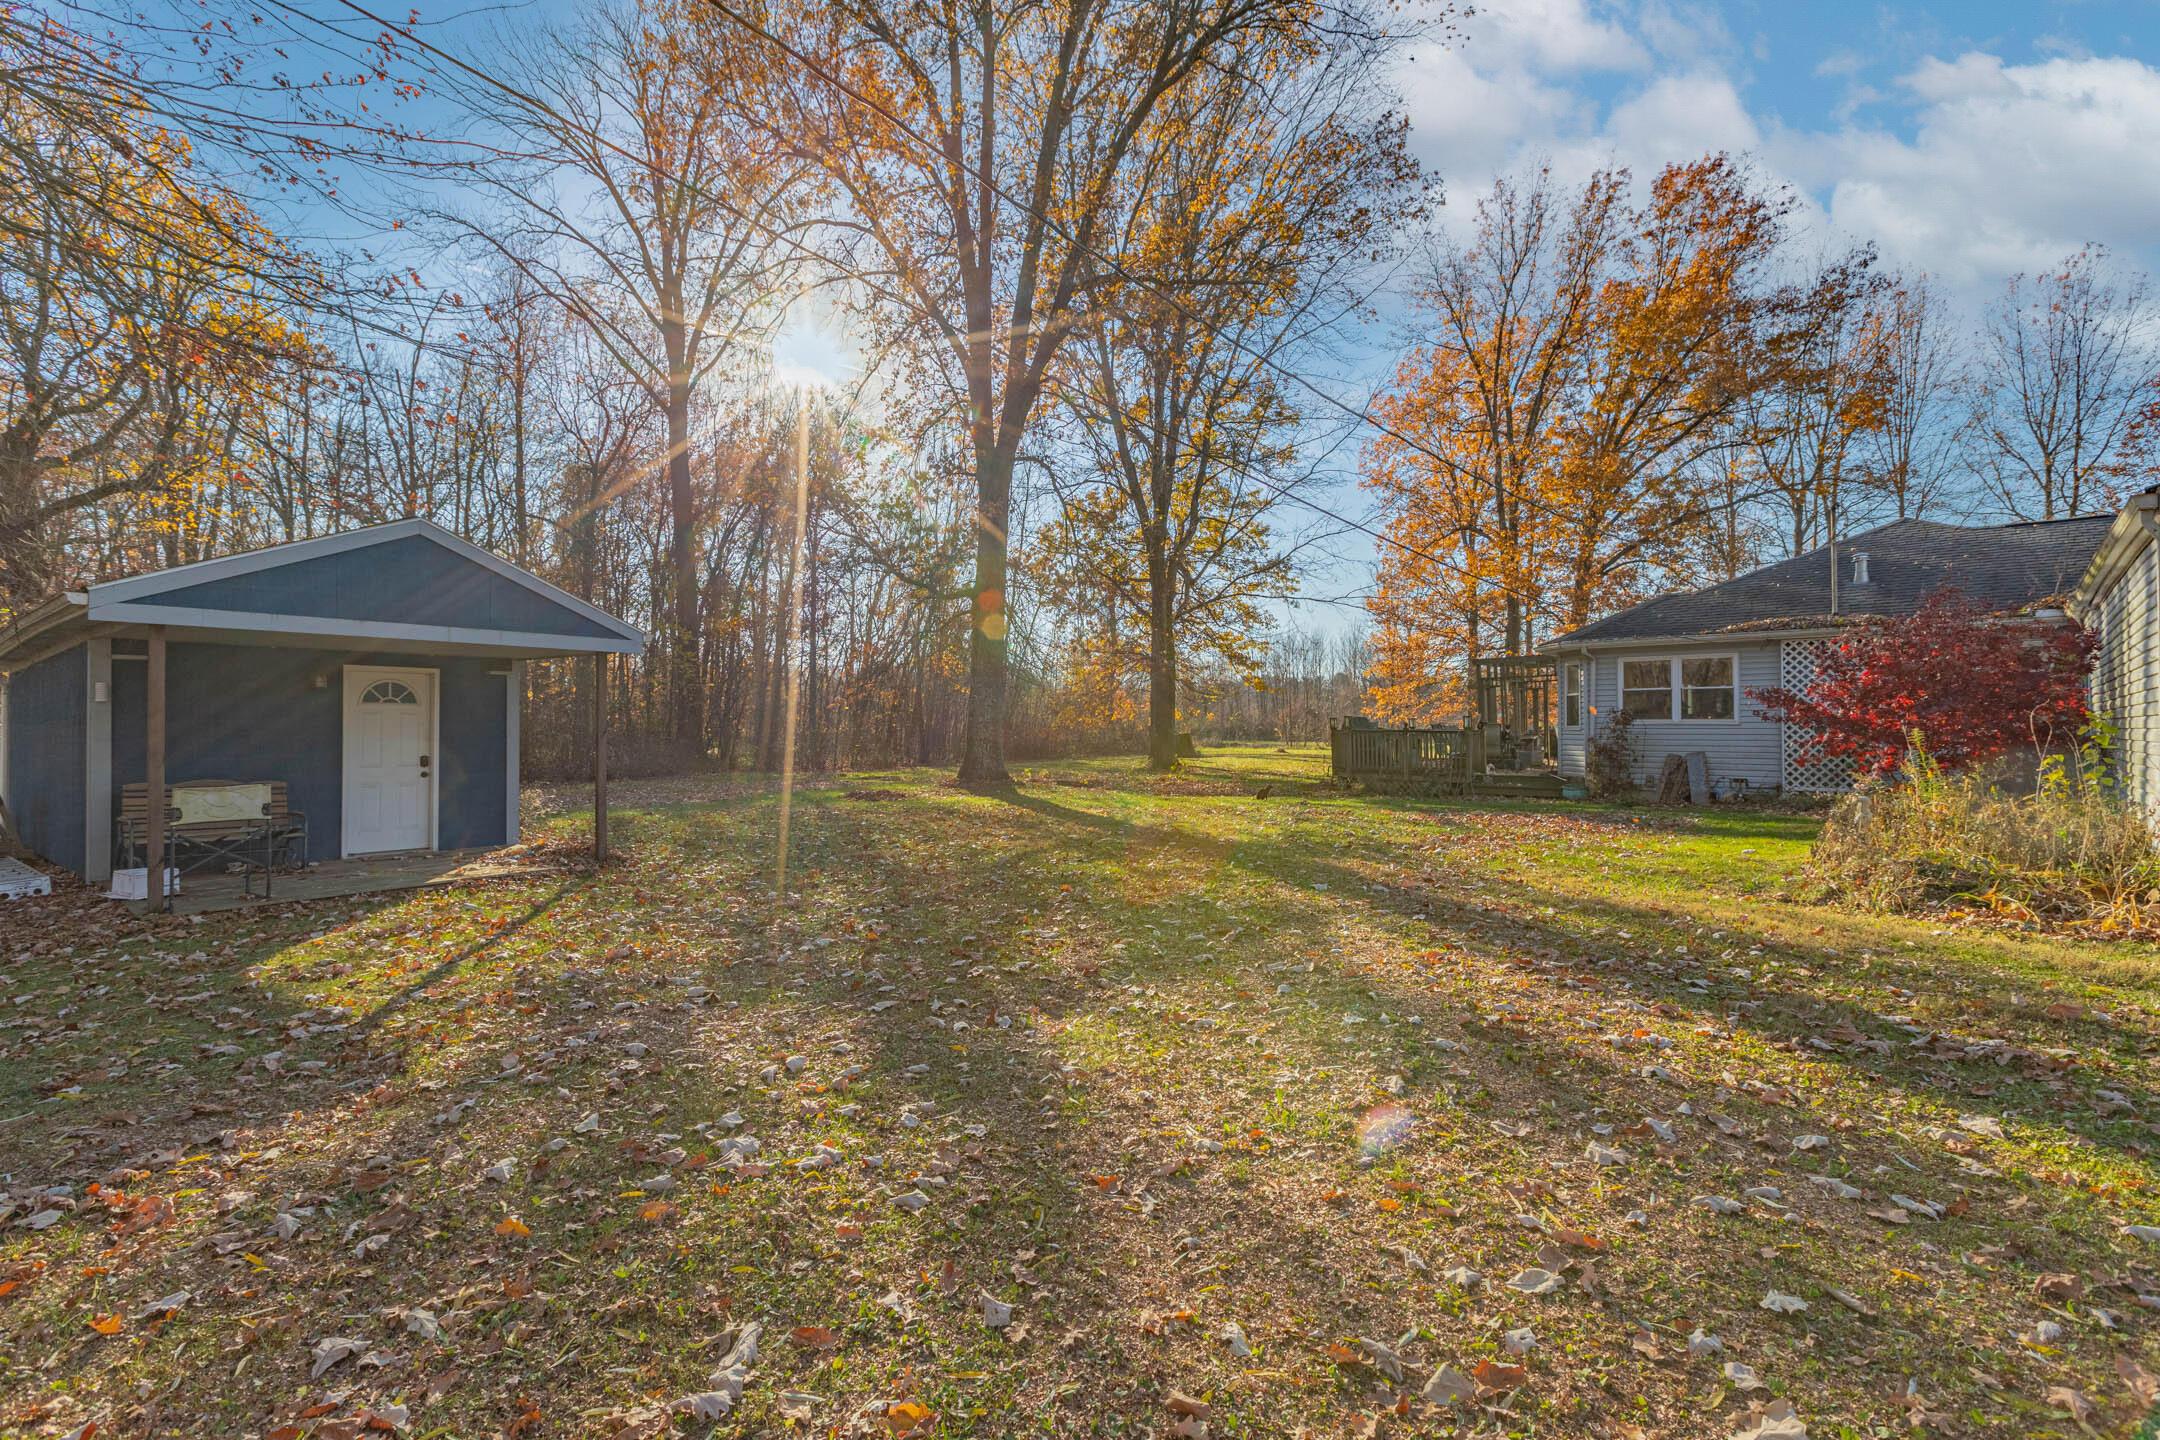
2070 853
1609 761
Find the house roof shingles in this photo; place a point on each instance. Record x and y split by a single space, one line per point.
2001 568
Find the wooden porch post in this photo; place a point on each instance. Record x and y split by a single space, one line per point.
154 773
599 773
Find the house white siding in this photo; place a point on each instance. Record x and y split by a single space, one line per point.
1747 747
2126 672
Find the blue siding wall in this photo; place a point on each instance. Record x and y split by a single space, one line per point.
245 712
1748 747
470 775
46 713
409 581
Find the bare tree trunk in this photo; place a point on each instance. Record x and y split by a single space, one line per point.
982 755
1162 663
686 712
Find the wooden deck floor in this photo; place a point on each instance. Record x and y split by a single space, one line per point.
373 874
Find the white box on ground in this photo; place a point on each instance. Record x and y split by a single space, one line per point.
135 884
18 881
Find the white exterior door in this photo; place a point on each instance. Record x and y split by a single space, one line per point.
389 760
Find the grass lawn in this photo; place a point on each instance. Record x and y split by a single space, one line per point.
1261 1104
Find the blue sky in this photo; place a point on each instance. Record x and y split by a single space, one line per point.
1966 138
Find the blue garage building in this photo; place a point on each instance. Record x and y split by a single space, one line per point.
376 674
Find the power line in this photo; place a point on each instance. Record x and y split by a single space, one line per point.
543 107
1359 414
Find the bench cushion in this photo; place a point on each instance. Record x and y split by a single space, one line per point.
221 804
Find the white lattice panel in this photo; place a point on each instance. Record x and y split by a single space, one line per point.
1807 775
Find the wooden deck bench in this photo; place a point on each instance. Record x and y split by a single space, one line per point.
279 834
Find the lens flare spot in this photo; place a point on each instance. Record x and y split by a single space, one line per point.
1384 1127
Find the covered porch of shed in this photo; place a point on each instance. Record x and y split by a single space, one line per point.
335 879
360 694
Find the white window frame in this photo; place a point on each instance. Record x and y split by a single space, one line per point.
1574 687
1672 694
1678 691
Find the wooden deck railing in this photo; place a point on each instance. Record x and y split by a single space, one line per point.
1434 758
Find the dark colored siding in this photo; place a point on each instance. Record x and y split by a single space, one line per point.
244 712
46 714
410 581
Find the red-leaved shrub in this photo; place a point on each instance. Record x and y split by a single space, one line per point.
1972 685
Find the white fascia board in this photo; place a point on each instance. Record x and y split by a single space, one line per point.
2125 541
1705 640
324 628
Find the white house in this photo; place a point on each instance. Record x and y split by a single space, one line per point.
1682 665
2117 598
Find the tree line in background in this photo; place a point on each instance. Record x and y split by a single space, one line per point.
1074 240
1091 254
1611 398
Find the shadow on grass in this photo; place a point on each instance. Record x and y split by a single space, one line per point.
1504 915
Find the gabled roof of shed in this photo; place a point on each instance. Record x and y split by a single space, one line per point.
2004 569
408 585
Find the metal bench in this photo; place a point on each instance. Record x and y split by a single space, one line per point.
256 842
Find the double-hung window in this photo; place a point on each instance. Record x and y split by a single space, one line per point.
1698 687
1646 689
1571 695
1707 688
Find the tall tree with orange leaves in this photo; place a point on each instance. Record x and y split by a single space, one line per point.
1545 453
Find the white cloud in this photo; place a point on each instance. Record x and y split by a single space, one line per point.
1970 167
1680 117
1552 34
2008 167
1507 81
